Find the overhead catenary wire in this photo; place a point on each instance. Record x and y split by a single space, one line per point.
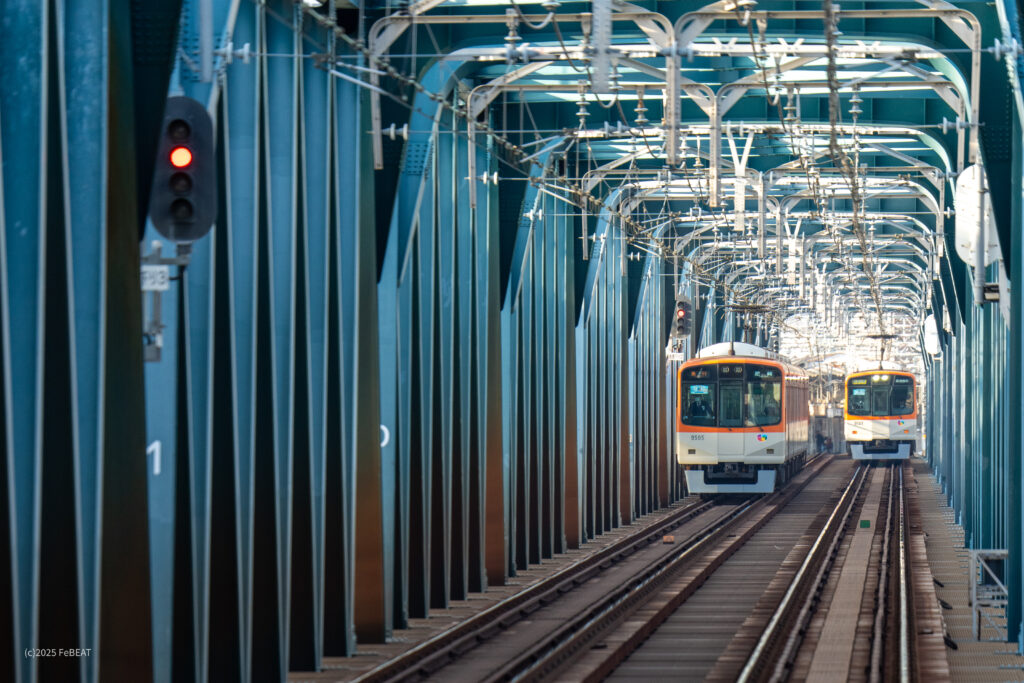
570 189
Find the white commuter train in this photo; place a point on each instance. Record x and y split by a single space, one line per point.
880 417
742 419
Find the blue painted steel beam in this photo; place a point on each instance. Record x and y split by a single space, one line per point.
1013 509
74 473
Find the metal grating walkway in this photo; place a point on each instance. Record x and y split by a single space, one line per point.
949 561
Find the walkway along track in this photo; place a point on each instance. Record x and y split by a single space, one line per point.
700 525
777 646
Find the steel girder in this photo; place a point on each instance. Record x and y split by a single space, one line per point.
74 545
602 361
656 479
971 457
976 379
439 340
540 393
266 458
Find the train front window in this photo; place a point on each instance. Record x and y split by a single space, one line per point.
880 395
731 395
901 401
763 397
699 404
857 396
763 401
880 401
730 409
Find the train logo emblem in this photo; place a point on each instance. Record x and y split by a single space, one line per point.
762 437
899 422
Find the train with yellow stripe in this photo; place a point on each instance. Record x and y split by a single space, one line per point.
880 416
742 419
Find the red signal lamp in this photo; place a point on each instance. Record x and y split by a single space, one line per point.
183 195
681 313
181 157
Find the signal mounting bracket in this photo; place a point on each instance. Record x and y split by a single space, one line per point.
155 279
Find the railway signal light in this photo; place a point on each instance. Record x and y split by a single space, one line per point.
682 323
183 200
181 157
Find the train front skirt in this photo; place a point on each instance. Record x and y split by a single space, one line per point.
899 451
697 482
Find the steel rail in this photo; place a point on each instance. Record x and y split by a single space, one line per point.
904 635
831 530
878 630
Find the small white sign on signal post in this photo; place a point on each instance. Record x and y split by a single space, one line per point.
156 278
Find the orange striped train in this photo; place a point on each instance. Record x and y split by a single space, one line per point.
742 419
880 415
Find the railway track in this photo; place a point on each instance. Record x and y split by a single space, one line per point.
440 651
901 608
904 641
536 632
735 597
710 635
899 659
740 629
